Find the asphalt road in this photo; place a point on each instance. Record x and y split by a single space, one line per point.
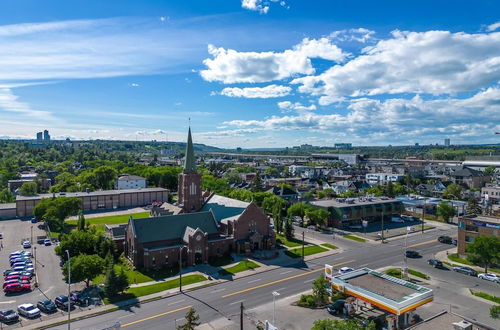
224 300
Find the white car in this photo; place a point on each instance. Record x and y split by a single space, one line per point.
26 244
344 270
396 219
489 277
28 310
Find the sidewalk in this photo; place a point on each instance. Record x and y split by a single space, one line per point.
443 256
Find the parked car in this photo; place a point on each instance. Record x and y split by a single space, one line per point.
344 270
435 263
445 239
47 242
46 306
397 219
407 218
337 307
19 260
79 298
17 277
20 252
24 269
62 302
311 227
489 277
15 281
26 244
16 287
465 270
28 310
454 241
34 220
8 316
412 254
11 272
22 264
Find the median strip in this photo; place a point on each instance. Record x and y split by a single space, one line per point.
284 279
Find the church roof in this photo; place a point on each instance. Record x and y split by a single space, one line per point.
224 207
170 227
189 163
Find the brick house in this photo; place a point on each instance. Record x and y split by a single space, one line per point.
201 226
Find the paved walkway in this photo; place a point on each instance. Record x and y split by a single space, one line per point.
111 213
443 256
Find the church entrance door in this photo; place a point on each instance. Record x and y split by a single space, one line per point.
198 258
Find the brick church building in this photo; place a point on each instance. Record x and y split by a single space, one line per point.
200 226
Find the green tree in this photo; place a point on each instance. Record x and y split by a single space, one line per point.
6 196
122 281
233 177
319 289
453 191
490 170
28 189
84 268
81 221
192 320
495 312
484 250
331 324
256 184
104 177
297 210
110 281
78 242
318 217
473 207
54 210
389 189
445 210
288 229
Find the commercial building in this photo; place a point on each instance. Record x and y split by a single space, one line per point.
383 178
470 178
397 297
351 159
46 136
491 199
126 181
98 200
348 212
472 226
39 136
447 142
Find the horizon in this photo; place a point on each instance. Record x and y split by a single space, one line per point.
252 74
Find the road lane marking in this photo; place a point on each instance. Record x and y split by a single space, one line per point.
219 290
288 271
422 243
237 302
363 265
285 279
7 302
155 316
312 279
253 281
176 302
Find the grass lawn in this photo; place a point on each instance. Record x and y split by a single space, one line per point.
111 220
396 272
355 238
137 276
239 267
154 288
484 295
330 246
289 243
418 274
308 250
456 258
220 261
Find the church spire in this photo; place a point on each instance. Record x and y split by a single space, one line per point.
189 163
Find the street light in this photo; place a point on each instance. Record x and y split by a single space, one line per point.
405 270
180 268
69 290
275 294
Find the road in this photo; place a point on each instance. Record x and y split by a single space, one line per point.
223 300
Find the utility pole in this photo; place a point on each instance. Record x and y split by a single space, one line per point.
241 316
180 269
302 244
382 225
423 215
69 290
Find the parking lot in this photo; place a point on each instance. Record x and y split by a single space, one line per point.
48 272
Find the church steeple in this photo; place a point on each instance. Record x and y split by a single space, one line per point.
189 163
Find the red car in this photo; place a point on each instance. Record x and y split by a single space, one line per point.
17 277
17 287
15 281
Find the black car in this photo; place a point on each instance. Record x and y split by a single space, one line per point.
62 302
47 306
465 270
79 298
337 307
445 239
412 254
8 316
435 263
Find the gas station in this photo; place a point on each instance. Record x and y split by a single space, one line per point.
367 289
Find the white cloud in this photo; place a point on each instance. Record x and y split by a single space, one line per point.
257 92
9 102
434 62
255 5
396 120
231 66
134 85
361 35
493 27
287 106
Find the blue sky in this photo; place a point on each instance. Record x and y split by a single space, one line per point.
252 73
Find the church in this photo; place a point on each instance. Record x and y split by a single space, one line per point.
199 227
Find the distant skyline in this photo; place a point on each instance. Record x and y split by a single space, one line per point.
252 73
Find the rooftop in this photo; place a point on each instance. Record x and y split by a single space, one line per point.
484 218
349 202
125 177
224 207
90 193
